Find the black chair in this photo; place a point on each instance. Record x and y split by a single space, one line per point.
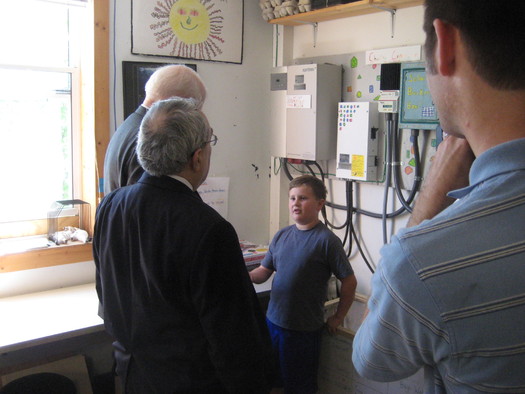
40 383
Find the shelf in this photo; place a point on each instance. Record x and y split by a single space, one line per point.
361 7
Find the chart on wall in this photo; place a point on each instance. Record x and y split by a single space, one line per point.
191 29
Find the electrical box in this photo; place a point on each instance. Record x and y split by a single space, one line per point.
357 141
417 109
389 87
388 100
313 92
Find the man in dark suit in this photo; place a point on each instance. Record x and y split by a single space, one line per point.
171 278
121 166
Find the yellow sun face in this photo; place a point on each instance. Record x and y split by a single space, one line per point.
190 28
190 21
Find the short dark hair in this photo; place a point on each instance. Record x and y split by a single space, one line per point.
315 183
493 32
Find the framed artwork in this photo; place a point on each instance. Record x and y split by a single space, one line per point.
209 30
134 78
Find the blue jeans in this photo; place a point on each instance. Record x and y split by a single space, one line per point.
298 356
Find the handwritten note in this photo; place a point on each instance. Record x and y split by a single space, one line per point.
394 55
214 192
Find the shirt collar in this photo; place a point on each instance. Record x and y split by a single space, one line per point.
495 161
182 180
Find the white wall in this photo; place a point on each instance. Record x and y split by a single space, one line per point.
42 279
360 33
237 108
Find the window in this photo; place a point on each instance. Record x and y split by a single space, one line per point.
47 117
40 90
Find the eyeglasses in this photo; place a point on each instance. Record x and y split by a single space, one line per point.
213 140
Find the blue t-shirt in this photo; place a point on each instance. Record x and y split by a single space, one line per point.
303 262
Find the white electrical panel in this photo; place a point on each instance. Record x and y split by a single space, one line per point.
313 92
357 141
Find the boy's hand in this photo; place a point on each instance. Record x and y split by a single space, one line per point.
333 322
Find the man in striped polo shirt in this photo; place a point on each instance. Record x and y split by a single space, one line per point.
449 292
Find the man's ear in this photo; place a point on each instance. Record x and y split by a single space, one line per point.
196 160
446 47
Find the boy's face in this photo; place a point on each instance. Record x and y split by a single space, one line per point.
304 207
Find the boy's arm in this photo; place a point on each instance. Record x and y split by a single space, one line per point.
260 274
348 286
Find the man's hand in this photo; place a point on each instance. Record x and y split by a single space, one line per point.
449 171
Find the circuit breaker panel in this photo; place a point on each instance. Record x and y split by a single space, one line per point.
313 91
357 141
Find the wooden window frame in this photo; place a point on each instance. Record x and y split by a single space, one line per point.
68 254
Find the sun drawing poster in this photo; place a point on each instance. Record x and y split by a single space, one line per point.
191 29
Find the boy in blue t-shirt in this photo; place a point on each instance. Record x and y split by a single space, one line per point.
303 256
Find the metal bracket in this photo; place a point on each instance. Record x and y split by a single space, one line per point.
392 15
314 25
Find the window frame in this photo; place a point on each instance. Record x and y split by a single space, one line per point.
93 147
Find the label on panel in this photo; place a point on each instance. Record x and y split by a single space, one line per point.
299 101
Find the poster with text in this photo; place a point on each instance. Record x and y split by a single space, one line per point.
214 192
190 29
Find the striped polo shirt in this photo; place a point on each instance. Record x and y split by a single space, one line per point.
449 294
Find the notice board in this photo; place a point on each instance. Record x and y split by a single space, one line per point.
417 109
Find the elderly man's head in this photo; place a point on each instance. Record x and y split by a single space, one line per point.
174 81
175 138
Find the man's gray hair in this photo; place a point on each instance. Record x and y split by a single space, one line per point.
170 133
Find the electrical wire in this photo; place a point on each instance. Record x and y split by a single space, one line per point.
349 187
417 170
415 185
388 176
284 164
361 250
309 172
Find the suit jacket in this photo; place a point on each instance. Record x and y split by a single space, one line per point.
176 294
121 166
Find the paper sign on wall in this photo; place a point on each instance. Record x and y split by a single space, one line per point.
214 192
394 55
